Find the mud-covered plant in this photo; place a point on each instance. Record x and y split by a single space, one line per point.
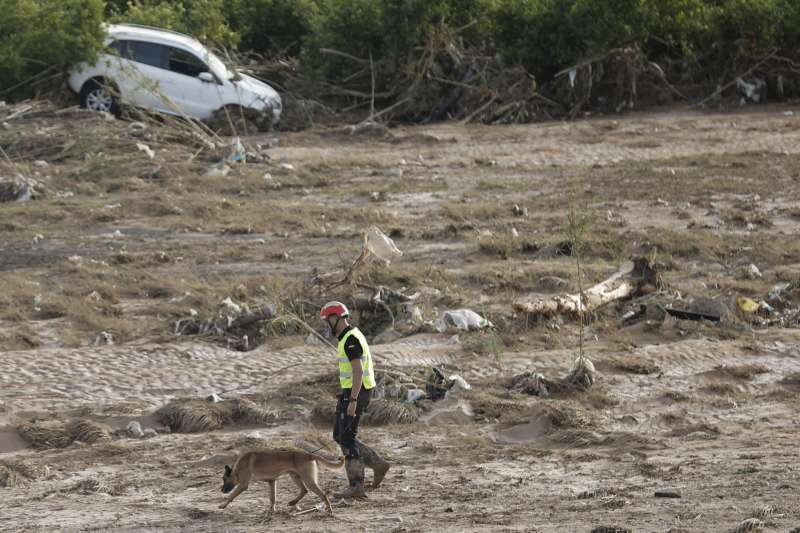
582 372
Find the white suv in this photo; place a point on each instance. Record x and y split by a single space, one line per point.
172 73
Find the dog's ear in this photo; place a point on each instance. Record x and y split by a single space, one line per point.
228 470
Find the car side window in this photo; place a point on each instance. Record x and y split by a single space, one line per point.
186 63
120 48
148 53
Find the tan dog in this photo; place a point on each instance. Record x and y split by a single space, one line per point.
268 465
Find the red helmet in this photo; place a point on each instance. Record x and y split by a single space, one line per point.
334 308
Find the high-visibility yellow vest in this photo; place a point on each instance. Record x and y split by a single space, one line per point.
346 369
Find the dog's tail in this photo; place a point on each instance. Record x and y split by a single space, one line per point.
335 465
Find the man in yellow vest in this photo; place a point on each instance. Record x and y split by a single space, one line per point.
357 379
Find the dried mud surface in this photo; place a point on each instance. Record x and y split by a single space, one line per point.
708 412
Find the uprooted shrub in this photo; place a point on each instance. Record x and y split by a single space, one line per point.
58 434
194 415
379 413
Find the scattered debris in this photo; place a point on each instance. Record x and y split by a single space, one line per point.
667 494
134 430
461 320
381 246
582 374
104 339
685 314
414 394
146 149
19 189
532 383
438 387
632 278
214 398
750 524
218 170
750 272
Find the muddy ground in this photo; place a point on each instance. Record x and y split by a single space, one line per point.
119 246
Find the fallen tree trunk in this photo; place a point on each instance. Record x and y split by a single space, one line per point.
633 278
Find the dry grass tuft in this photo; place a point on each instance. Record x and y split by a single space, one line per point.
382 412
488 406
750 525
89 431
721 389
576 438
567 416
19 473
107 485
743 371
46 434
195 416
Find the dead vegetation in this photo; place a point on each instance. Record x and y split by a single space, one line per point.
53 433
193 416
17 473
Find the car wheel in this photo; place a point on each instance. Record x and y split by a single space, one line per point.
97 95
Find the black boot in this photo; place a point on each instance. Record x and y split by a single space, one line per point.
378 464
355 476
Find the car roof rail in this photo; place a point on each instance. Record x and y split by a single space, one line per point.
145 27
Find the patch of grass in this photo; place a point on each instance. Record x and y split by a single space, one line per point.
744 372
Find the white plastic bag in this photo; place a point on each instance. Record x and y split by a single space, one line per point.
381 246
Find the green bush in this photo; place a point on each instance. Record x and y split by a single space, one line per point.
39 35
271 26
547 36
387 29
203 19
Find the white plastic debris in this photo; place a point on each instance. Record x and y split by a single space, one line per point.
136 128
572 74
462 320
416 316
414 394
214 398
105 338
41 164
312 340
751 90
134 430
219 170
457 385
38 237
146 149
380 245
750 272
231 306
238 153
286 168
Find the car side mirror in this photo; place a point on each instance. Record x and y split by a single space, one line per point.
206 77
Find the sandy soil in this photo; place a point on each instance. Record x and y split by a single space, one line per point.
706 411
